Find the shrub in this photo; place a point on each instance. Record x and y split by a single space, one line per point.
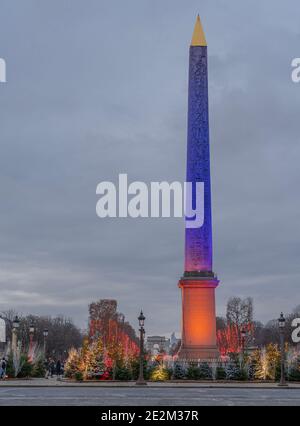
252 366
193 372
26 367
294 374
178 372
78 376
123 373
220 373
278 371
10 371
205 371
232 371
235 372
39 369
243 374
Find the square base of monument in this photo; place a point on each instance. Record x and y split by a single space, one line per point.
197 353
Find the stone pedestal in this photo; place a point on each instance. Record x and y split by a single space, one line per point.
198 318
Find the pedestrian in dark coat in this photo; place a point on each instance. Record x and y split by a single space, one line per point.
58 368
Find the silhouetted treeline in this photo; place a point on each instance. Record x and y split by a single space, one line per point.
239 313
62 333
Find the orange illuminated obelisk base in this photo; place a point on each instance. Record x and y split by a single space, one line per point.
198 318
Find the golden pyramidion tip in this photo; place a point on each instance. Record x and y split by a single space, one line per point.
198 38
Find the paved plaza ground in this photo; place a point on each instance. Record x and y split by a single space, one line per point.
53 392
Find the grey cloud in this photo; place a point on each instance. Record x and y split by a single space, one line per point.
95 89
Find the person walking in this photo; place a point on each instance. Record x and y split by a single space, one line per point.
52 367
3 369
58 369
46 366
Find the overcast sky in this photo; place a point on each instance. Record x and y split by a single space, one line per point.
97 88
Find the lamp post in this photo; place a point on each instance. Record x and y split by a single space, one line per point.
2 334
281 323
141 380
31 333
243 336
45 334
16 325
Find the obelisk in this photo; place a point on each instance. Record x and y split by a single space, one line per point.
198 340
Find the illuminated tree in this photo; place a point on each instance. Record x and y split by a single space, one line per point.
89 360
160 373
228 340
110 325
95 359
72 364
115 354
266 362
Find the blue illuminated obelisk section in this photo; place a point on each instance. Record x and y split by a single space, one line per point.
198 241
198 337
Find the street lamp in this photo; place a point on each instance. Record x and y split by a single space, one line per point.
141 380
16 325
243 336
31 329
281 323
45 334
31 333
16 322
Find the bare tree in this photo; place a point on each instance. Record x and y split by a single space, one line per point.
239 311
